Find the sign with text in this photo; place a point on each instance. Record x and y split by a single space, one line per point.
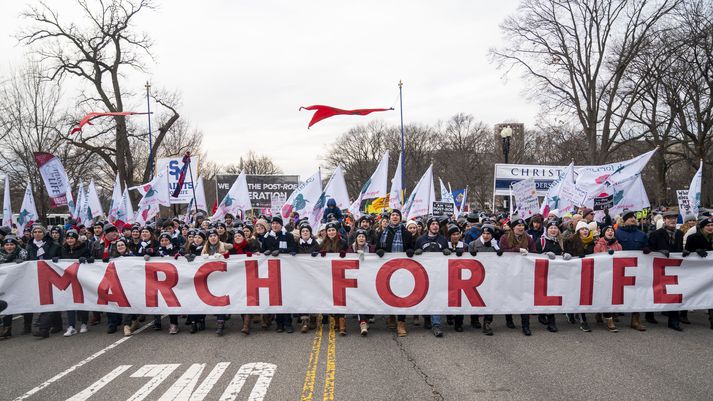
263 188
173 166
443 209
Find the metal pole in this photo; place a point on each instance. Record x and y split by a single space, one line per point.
403 148
148 108
193 183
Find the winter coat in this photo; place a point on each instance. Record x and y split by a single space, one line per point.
429 243
50 248
603 245
387 243
471 235
699 241
281 240
506 246
18 255
546 244
96 249
309 246
79 250
575 247
147 248
631 238
335 211
660 240
479 246
244 247
535 234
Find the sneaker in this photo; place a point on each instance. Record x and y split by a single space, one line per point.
111 329
83 328
127 330
173 329
584 326
70 331
363 329
289 328
220 327
437 331
486 329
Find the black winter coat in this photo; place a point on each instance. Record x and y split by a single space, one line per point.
699 241
79 250
272 243
659 240
406 237
51 250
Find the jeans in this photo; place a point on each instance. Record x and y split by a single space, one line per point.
72 317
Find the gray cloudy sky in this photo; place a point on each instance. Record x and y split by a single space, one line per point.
244 68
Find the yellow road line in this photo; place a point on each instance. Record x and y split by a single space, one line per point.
331 363
308 386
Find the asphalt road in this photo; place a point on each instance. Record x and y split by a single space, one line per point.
568 365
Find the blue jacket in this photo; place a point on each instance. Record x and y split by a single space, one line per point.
333 209
471 235
631 238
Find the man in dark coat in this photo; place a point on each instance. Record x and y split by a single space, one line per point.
668 239
41 247
701 243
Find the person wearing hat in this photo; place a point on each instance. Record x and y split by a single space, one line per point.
274 242
702 243
12 252
333 210
472 231
457 246
580 244
688 227
333 243
485 243
632 238
551 244
103 247
363 223
76 250
148 244
412 228
432 241
361 246
55 236
516 240
396 238
535 228
4 232
165 245
41 247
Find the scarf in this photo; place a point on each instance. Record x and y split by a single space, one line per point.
240 248
40 249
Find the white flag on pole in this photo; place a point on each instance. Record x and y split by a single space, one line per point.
125 212
374 187
237 198
201 203
420 203
447 196
116 202
28 211
304 199
6 206
397 188
71 206
694 191
336 189
80 203
94 203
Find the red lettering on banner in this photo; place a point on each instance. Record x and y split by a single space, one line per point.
542 269
165 287
339 281
661 280
273 282
110 289
469 287
383 283
47 278
200 281
586 289
620 279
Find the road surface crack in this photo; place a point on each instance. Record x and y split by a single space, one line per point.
437 396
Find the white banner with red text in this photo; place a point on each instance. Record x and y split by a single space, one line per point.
395 284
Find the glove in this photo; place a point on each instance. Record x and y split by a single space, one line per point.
380 252
646 250
666 253
146 257
190 257
314 254
293 253
248 254
550 255
446 251
611 251
149 251
174 256
276 252
685 253
322 253
702 253
342 254
473 253
581 256
55 259
361 255
523 252
90 259
409 253
226 255
499 252
459 252
566 256
418 251
105 260
82 259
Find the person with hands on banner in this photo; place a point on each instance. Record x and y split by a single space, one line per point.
75 249
12 252
580 244
214 248
194 248
632 238
472 231
607 241
550 244
241 246
334 243
102 248
274 242
432 241
41 247
307 245
702 243
517 240
455 246
361 246
148 245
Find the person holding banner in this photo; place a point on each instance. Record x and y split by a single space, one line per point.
701 243
333 243
580 244
485 243
12 252
632 239
665 240
432 241
608 243
517 240
361 246
214 248
277 241
550 244
42 248
74 249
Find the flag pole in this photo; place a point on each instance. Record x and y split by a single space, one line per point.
148 115
403 148
193 183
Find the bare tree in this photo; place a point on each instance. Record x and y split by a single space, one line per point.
253 163
577 53
99 54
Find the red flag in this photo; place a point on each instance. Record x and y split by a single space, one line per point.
87 119
215 207
323 112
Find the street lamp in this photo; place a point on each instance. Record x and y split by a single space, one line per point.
506 134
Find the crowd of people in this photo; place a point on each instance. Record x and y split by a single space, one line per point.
566 237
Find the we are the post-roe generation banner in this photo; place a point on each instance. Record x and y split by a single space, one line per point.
395 284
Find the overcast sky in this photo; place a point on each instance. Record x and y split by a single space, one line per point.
245 68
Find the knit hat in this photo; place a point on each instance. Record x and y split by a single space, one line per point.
411 223
488 228
108 227
581 225
72 234
704 222
397 211
277 219
452 229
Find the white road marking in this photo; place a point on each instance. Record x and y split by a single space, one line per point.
159 373
99 384
79 365
263 370
182 389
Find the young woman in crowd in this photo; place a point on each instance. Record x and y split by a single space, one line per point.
517 240
215 248
579 244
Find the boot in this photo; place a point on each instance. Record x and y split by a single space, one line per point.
486 329
401 329
363 329
304 324
650 318
342 326
391 322
6 333
508 322
312 322
542 319
611 326
684 317
416 320
220 327
127 330
475 322
636 322
201 324
598 318
526 330
194 327
246 325
427 322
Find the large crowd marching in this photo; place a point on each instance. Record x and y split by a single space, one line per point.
566 237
